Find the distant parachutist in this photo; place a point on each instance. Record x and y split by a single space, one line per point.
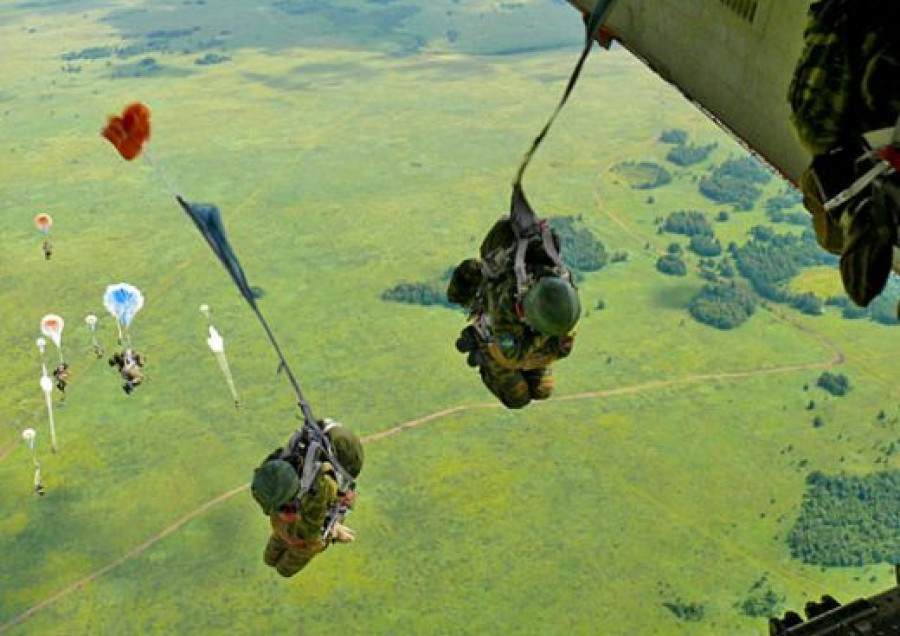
91 321
129 363
61 375
44 223
124 301
28 435
52 327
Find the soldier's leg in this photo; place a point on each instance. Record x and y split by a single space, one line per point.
292 561
540 382
510 387
275 548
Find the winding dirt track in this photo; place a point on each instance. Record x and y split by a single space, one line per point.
399 428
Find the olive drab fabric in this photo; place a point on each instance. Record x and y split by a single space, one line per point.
847 84
514 362
869 250
348 448
847 81
297 527
552 306
274 484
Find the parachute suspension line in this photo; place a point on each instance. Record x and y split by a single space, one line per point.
301 401
170 185
591 26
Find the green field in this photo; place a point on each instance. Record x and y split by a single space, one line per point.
350 151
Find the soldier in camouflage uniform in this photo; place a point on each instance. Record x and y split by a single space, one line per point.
514 341
298 525
847 83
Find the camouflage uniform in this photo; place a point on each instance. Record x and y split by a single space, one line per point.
515 363
847 83
297 531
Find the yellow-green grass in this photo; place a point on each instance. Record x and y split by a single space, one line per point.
563 517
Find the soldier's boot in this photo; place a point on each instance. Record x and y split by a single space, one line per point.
509 387
469 344
864 230
275 549
869 251
540 382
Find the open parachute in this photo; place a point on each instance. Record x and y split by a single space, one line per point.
123 301
43 222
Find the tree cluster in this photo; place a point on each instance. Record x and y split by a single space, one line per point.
688 222
835 383
580 249
672 265
691 612
420 293
644 175
689 154
723 306
882 310
761 600
736 182
211 58
705 245
846 520
780 208
769 260
673 136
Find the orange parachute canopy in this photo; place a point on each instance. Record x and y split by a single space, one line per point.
129 132
43 222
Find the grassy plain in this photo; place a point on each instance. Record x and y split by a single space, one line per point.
661 471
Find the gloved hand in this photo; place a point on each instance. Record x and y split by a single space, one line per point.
342 534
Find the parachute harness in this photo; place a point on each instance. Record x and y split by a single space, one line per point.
527 228
884 159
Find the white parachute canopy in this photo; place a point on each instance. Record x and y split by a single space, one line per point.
52 327
215 341
217 346
123 301
28 435
91 321
47 388
41 345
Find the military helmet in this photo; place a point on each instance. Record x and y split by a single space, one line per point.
275 484
347 447
552 306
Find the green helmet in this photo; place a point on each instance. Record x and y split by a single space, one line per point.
275 484
348 448
552 306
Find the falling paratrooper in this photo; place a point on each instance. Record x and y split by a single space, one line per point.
44 222
46 385
123 301
29 435
128 134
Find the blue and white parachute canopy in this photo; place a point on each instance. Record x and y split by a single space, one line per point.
123 301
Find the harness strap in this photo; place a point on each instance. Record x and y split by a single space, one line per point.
887 162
